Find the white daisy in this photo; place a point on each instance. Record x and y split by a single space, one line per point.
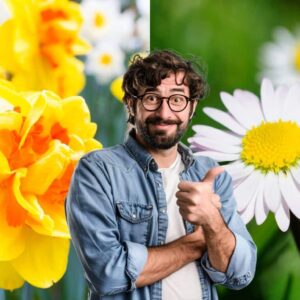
262 148
143 24
280 60
104 20
105 62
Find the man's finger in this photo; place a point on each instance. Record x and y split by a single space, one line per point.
212 174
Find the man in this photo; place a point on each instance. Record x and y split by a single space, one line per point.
148 219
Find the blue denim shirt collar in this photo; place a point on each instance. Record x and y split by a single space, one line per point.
144 158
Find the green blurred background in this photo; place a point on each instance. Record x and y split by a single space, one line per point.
227 37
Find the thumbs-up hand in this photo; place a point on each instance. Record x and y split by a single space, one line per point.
197 201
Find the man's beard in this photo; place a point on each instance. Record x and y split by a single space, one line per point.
159 139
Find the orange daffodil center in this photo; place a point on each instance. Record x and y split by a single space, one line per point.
42 42
41 140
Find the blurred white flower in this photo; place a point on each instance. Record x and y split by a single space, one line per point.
105 62
103 20
262 147
143 24
4 12
280 59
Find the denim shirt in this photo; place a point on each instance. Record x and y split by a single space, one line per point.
116 208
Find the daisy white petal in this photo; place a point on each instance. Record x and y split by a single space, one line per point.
261 211
218 156
248 213
282 216
238 170
267 100
296 173
246 190
251 104
208 131
292 101
225 119
290 193
237 110
272 194
222 146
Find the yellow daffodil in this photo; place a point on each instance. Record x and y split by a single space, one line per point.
41 40
116 88
41 139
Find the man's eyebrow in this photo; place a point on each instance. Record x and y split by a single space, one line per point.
177 90
152 89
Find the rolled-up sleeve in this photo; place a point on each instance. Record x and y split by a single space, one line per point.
110 266
242 264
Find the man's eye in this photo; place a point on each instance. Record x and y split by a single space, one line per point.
178 99
151 98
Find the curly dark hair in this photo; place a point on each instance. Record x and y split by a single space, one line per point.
149 71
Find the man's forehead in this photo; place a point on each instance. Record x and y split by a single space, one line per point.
172 81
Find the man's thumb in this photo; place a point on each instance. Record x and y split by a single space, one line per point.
212 174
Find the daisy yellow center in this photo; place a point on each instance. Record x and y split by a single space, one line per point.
297 57
272 146
105 59
99 20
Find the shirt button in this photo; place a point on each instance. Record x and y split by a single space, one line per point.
163 210
134 216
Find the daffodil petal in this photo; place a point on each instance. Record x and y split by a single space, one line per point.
11 238
7 92
44 260
33 116
4 167
29 203
43 172
57 213
9 279
11 120
77 118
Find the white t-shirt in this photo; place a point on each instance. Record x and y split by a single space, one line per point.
184 284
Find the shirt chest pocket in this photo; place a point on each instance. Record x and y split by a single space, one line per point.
134 220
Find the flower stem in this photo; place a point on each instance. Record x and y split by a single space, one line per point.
27 292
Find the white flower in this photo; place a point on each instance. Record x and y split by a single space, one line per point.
143 33
104 20
262 147
4 12
280 60
143 25
105 62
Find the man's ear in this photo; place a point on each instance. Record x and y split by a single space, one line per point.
194 104
130 106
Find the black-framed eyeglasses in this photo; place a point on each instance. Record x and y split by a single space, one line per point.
152 101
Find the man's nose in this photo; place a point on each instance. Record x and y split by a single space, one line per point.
164 111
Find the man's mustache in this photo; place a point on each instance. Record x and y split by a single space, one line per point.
160 121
